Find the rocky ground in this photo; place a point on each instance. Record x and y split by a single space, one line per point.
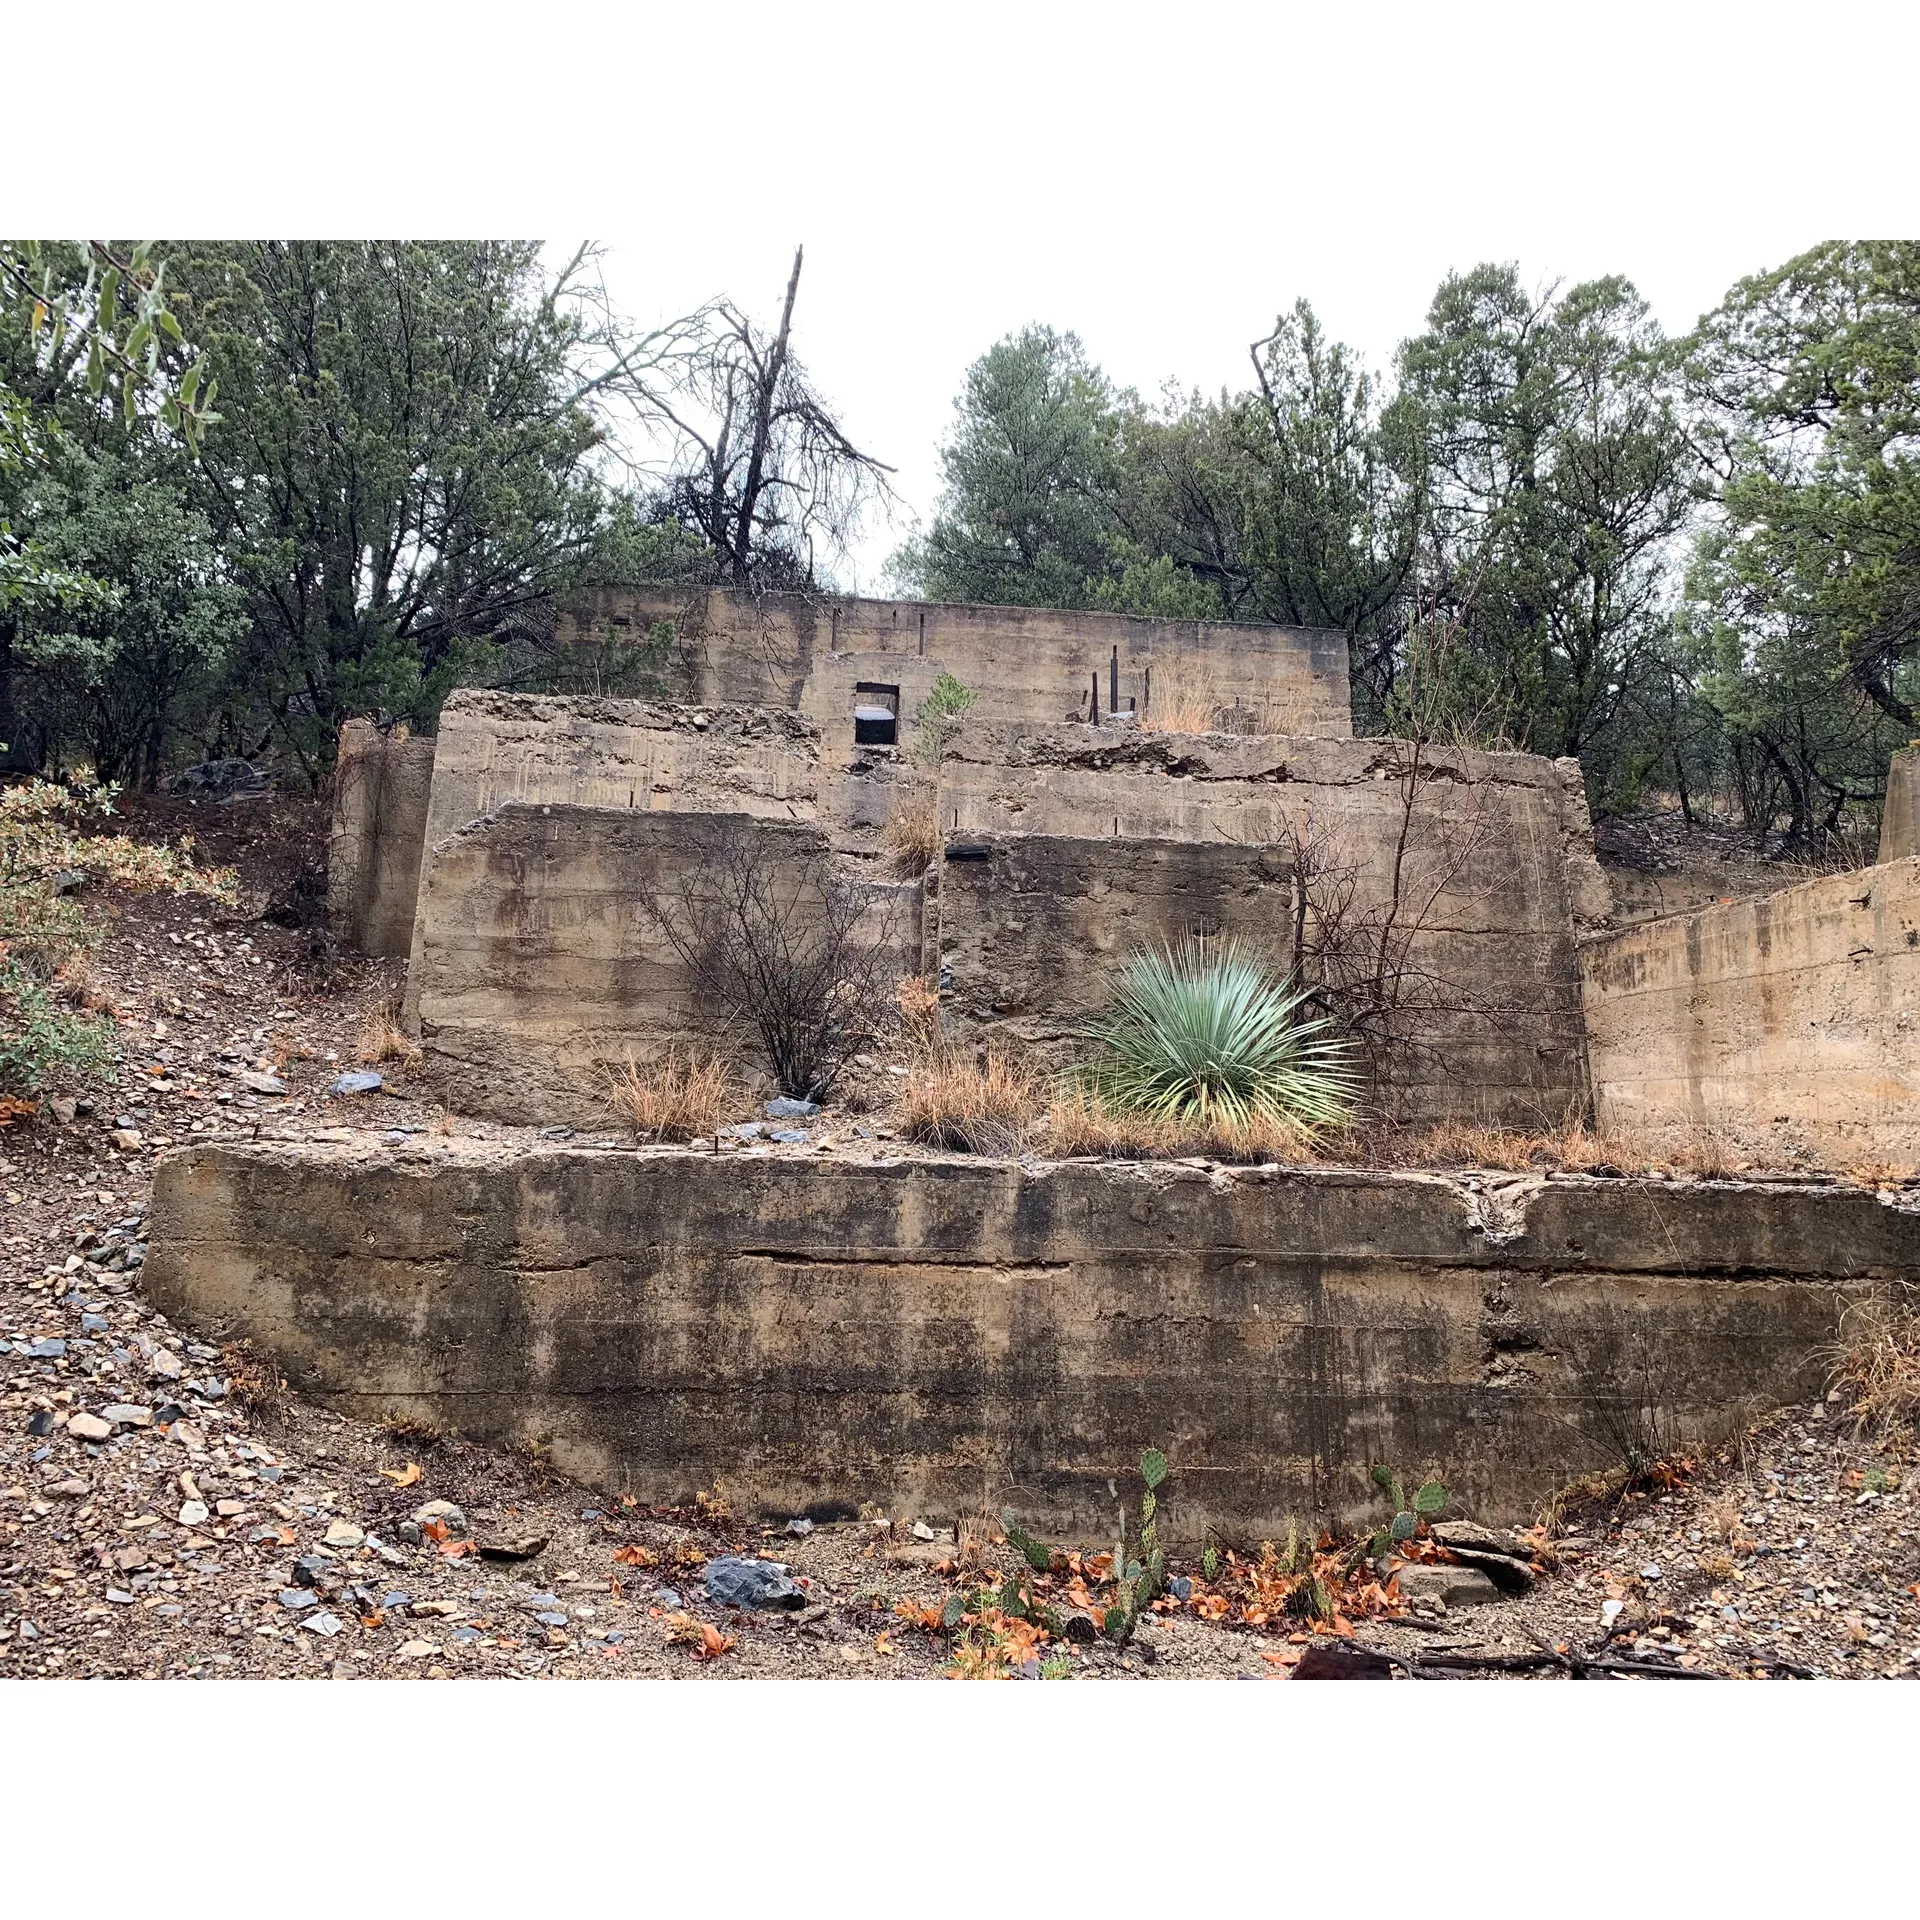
167 1509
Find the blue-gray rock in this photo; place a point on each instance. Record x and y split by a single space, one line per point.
40 1423
359 1080
801 1527
267 1084
294 1598
1180 1587
788 1136
747 1130
93 1323
556 1133
391 1602
752 1583
785 1109
555 1619
123 1415
47 1350
324 1624
669 1597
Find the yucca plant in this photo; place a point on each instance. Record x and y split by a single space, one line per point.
1204 1033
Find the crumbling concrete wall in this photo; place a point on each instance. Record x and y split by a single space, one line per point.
952 1337
1494 858
380 788
1788 1024
1033 927
537 968
572 750
809 652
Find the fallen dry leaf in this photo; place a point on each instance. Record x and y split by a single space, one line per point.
403 1476
633 1555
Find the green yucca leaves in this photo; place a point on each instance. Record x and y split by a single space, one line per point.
1203 1032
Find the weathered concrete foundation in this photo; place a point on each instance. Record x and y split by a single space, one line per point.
945 1336
1788 1023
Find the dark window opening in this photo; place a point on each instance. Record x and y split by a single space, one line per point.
876 715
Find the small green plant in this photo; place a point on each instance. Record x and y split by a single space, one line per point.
1428 1503
1210 1565
1138 1580
946 701
1036 1555
1204 1033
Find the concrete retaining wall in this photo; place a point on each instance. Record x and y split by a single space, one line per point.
1496 863
947 1337
380 791
1033 927
536 968
1790 1023
810 652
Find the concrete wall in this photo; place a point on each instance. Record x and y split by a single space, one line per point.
946 1337
536 967
380 789
496 748
1497 872
1790 1024
1024 663
1033 927
1900 815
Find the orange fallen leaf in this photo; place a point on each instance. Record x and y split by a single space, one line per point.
457 1549
403 1476
633 1555
882 1644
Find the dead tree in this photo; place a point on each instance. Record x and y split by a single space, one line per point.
776 940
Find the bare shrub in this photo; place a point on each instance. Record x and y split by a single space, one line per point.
1079 1124
384 1039
770 935
911 837
968 1105
678 1098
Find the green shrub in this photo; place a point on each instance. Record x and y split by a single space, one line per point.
946 701
1203 1033
43 1043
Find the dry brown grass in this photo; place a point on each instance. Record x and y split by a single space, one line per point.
1573 1148
919 1007
77 983
1180 705
678 1098
1879 1358
254 1382
384 1040
1079 1126
911 837
968 1105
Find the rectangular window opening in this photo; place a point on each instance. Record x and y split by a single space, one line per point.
876 715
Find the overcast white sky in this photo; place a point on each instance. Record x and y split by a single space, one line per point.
1163 180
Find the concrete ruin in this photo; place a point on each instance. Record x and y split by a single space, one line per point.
956 1334
957 1337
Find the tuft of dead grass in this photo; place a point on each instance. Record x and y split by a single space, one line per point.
384 1039
677 1098
1879 1358
254 1382
1573 1148
911 837
919 1007
969 1105
1179 705
1078 1125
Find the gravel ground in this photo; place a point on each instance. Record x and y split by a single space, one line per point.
204 1524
